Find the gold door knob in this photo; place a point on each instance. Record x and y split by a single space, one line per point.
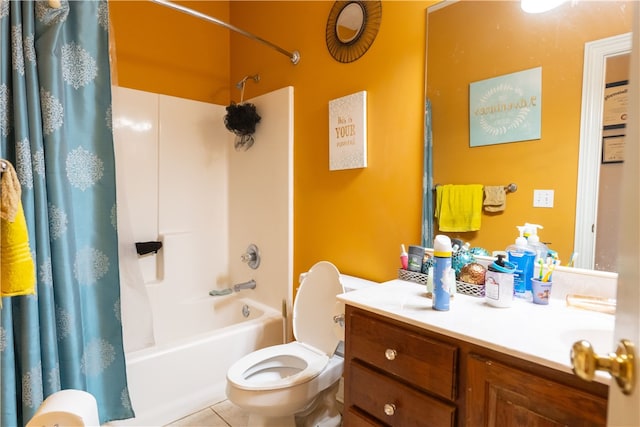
586 362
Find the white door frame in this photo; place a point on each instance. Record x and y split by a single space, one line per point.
593 83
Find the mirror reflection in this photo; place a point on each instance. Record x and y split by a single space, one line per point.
473 41
350 23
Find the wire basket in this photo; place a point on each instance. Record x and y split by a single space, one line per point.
413 276
461 287
470 289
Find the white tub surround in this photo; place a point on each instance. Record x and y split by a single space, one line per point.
542 334
181 182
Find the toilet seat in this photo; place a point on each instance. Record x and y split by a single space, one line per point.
277 367
285 365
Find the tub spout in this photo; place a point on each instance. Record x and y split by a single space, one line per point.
251 284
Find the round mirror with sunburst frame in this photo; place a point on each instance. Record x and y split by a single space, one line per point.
352 27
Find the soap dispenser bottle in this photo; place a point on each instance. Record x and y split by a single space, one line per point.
522 256
533 240
498 283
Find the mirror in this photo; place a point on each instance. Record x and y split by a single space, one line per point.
606 60
350 23
352 26
469 42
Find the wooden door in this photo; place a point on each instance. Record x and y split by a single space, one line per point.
624 410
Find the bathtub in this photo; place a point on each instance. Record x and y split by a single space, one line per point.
182 374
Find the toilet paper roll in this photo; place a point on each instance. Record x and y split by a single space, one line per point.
67 408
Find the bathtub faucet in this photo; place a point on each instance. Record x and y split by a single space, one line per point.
251 284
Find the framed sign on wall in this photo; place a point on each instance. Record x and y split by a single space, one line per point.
506 108
348 132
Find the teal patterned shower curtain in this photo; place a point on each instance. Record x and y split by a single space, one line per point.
55 128
427 180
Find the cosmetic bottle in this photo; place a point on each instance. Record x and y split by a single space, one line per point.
404 258
441 273
416 256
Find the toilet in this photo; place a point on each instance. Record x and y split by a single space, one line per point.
296 383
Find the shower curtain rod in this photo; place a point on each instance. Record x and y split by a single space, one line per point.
293 56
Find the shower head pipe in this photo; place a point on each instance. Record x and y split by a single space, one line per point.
293 56
241 83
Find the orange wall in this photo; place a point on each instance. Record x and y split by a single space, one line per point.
161 50
357 218
506 40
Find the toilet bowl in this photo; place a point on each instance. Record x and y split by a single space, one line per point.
296 382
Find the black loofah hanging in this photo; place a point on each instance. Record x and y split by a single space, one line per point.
242 119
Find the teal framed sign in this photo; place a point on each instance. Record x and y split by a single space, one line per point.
506 109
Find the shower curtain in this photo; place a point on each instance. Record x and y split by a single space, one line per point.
55 128
427 180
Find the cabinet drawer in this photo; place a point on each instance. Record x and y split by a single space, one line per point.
394 403
353 418
423 362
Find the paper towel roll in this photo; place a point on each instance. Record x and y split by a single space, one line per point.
67 408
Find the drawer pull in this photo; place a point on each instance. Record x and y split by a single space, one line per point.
389 409
390 354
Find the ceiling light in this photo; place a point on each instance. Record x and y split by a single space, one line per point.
539 6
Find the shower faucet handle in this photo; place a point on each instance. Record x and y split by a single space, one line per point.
251 256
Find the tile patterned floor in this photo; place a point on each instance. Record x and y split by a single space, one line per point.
222 414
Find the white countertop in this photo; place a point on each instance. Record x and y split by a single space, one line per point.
542 334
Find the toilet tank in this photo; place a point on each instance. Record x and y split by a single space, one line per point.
351 283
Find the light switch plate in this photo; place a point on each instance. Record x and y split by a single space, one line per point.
542 198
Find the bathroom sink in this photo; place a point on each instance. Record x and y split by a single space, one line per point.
601 340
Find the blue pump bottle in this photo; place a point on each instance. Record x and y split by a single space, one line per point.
522 256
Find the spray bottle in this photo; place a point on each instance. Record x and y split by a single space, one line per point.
522 256
442 272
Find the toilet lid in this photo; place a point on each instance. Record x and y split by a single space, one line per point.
313 309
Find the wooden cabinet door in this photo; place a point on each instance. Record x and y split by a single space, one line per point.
502 396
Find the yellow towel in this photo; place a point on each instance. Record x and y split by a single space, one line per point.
495 198
17 274
459 207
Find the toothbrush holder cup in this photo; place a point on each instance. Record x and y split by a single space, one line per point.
541 291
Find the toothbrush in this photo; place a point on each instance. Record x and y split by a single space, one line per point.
541 268
547 277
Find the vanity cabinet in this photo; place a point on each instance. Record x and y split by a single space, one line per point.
500 396
397 374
